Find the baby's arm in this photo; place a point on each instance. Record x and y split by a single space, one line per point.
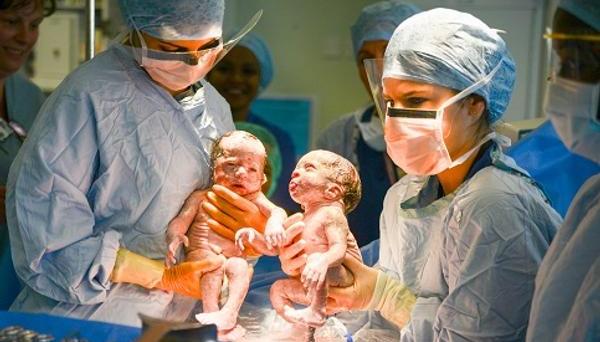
178 227
274 232
336 232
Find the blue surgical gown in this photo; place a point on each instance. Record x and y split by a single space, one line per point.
470 256
23 101
109 162
566 304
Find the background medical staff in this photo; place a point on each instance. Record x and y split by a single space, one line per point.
20 101
115 151
567 290
246 71
358 136
463 234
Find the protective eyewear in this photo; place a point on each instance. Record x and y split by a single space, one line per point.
202 55
574 56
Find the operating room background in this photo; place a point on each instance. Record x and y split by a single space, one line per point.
312 50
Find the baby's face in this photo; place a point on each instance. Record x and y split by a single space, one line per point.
241 167
310 178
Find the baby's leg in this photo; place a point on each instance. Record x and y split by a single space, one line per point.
225 319
285 292
210 283
314 314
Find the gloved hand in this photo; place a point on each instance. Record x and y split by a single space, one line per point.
372 290
291 254
183 278
229 212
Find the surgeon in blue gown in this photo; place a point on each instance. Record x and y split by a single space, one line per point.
566 302
20 101
115 151
358 136
464 232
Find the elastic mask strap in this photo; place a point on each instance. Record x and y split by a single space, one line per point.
466 156
472 88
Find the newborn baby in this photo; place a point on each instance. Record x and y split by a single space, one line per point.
238 159
327 187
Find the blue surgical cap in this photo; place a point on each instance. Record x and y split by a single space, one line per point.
259 48
587 11
175 19
452 49
378 21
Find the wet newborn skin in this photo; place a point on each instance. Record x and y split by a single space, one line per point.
239 159
327 186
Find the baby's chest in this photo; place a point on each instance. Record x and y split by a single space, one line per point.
315 237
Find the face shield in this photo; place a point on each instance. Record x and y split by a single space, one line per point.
374 71
574 57
218 48
573 95
415 136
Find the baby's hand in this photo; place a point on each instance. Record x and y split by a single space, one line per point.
274 235
314 272
244 234
174 242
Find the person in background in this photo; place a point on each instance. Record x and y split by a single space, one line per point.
464 232
246 71
565 304
358 136
20 101
108 163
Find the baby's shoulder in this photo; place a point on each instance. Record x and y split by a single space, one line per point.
330 215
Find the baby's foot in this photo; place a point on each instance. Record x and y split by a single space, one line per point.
223 320
234 334
306 316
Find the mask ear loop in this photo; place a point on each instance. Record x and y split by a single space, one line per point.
463 94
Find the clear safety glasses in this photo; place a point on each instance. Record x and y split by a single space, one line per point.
574 56
203 55
374 71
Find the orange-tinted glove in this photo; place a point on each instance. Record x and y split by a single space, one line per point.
372 290
183 278
229 212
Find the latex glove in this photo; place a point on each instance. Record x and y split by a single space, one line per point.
314 272
183 278
229 212
274 235
291 254
174 242
372 290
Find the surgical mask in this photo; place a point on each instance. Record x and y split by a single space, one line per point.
572 107
371 131
177 71
415 139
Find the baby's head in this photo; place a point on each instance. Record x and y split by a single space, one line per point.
326 177
238 162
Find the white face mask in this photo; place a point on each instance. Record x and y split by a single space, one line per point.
573 109
176 73
415 139
371 131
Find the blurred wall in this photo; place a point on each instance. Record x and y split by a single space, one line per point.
312 49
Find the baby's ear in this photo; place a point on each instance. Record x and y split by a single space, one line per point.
333 191
265 179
